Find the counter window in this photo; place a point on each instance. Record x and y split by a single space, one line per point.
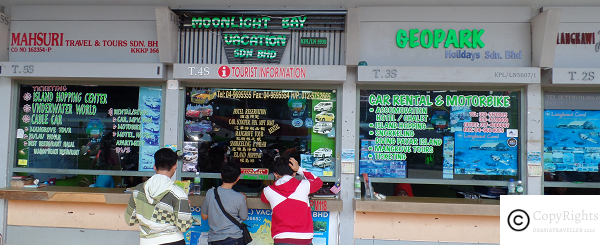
253 126
439 134
88 127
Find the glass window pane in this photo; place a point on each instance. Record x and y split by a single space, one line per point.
571 137
88 127
439 134
253 126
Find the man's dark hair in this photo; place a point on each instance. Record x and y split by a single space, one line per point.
293 153
282 165
165 159
230 171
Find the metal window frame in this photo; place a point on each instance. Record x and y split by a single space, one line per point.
84 81
521 175
327 85
566 89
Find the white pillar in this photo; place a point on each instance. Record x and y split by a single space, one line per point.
534 134
6 127
171 117
346 231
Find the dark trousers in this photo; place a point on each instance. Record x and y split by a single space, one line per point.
180 242
228 241
287 244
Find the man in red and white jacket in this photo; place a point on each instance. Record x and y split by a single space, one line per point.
292 216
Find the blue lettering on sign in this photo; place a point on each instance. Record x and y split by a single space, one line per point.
263 212
317 214
492 55
509 54
489 55
461 54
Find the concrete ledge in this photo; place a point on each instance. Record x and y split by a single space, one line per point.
60 236
255 202
430 205
398 242
117 196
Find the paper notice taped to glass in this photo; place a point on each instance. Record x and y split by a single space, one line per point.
20 133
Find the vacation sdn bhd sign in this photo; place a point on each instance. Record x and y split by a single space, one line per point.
251 37
256 47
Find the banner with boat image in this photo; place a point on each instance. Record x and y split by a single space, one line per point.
485 154
571 140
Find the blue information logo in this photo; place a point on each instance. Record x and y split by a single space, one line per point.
308 122
297 122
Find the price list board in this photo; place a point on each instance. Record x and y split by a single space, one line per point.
438 134
88 127
253 126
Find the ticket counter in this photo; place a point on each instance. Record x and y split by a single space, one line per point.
81 213
427 219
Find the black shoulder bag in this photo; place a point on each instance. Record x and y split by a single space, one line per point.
246 233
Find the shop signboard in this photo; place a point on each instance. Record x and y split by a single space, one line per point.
259 225
439 134
259 72
445 36
580 76
254 47
54 37
150 71
261 37
253 126
578 38
88 127
320 42
578 45
421 74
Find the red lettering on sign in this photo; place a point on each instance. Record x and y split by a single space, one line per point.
318 205
134 43
79 43
282 72
37 39
576 38
114 43
139 50
260 171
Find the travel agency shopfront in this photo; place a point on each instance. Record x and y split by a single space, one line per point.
439 99
92 97
570 106
445 98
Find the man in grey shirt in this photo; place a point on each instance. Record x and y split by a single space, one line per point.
222 230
